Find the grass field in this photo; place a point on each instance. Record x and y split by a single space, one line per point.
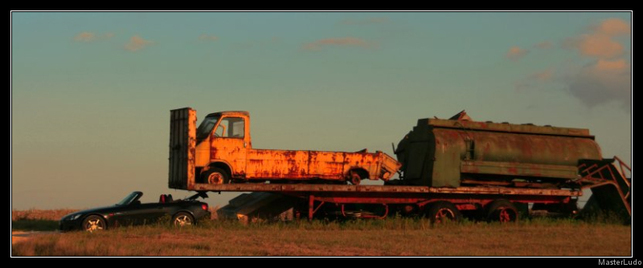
391 237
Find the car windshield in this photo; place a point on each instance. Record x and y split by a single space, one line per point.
128 199
204 130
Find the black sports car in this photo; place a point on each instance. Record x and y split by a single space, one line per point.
130 211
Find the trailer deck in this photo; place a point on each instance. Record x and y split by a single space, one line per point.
464 198
326 188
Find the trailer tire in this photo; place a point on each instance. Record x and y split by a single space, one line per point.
215 176
443 211
502 210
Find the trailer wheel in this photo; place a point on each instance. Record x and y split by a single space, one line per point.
443 211
502 210
215 176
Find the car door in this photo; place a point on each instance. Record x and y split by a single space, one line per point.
137 214
150 212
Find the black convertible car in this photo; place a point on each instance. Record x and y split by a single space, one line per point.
130 211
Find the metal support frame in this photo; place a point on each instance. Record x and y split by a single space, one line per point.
311 206
464 201
593 177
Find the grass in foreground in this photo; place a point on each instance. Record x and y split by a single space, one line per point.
37 219
391 237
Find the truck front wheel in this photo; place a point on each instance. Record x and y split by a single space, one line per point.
354 177
215 176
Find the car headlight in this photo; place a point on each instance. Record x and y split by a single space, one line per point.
75 216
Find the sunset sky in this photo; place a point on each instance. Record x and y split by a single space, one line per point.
92 91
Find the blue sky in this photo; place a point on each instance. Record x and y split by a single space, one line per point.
91 91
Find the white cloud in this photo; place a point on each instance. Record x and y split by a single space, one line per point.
137 43
515 53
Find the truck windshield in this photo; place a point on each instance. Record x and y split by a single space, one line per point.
204 130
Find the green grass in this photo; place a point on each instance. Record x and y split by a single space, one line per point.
390 237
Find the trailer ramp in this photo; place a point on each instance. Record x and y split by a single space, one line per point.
610 186
249 207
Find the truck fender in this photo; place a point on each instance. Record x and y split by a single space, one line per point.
222 164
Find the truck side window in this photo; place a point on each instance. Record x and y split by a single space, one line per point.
231 127
221 129
237 128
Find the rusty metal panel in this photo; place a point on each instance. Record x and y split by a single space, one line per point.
520 148
367 190
448 152
520 169
287 164
510 128
275 164
433 152
389 166
182 144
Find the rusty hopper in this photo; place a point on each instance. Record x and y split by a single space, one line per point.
458 151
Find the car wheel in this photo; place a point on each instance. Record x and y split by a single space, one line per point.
94 223
182 219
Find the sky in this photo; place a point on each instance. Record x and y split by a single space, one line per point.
91 91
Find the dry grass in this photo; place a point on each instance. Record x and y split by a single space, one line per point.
56 214
393 237
37 219
40 214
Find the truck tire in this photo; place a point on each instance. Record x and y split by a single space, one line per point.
502 210
443 211
355 178
215 176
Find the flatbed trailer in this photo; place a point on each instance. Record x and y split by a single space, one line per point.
447 168
492 203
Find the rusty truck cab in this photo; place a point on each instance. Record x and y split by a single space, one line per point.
222 141
220 151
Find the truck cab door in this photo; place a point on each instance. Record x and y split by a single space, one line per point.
229 144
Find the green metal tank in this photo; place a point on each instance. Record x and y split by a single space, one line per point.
450 153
